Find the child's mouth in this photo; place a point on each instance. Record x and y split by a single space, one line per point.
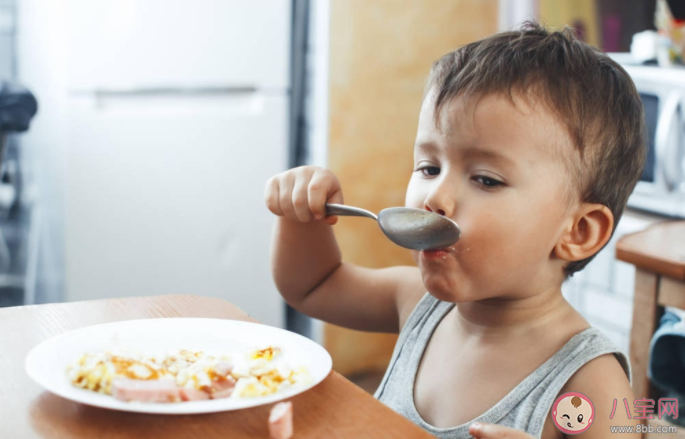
434 254
442 253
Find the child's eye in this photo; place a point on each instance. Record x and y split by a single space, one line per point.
487 181
430 171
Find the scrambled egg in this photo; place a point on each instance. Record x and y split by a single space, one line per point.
257 372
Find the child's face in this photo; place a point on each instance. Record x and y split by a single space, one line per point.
510 206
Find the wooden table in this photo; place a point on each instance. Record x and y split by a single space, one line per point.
335 408
658 254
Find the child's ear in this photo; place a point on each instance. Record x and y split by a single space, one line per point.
591 229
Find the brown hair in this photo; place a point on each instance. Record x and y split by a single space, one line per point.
587 91
576 401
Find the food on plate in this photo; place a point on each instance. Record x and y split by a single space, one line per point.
181 376
162 390
281 421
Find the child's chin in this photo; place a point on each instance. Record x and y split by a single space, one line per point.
443 286
450 297
447 294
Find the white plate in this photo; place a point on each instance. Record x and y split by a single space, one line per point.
47 363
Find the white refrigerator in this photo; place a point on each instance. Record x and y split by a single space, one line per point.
177 114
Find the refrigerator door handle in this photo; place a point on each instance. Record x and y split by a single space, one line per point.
164 91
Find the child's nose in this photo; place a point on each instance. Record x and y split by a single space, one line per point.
440 211
440 202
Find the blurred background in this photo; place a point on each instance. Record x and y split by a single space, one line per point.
160 121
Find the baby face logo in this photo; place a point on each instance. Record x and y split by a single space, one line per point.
573 413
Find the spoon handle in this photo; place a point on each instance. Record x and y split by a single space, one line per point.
342 210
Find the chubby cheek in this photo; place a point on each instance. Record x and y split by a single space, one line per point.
498 243
489 258
414 196
485 243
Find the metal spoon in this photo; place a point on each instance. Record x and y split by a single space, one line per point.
414 229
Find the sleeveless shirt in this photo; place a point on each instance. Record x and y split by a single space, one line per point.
525 408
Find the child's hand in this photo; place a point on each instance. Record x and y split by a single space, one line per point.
300 194
492 431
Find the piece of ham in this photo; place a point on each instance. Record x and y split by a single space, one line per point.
222 388
222 393
192 394
281 421
164 390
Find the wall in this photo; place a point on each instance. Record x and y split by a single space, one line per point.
41 42
380 56
580 14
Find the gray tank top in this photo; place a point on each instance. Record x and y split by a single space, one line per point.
524 408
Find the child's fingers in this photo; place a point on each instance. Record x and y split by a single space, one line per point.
323 188
318 192
335 198
271 196
285 196
301 200
491 431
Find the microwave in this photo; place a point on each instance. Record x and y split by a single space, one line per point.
661 188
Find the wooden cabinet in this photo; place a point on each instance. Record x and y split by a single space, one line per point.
380 56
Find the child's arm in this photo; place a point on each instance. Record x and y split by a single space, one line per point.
307 266
602 380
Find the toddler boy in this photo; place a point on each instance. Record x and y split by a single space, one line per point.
532 142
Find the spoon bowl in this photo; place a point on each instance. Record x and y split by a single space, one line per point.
418 229
410 228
